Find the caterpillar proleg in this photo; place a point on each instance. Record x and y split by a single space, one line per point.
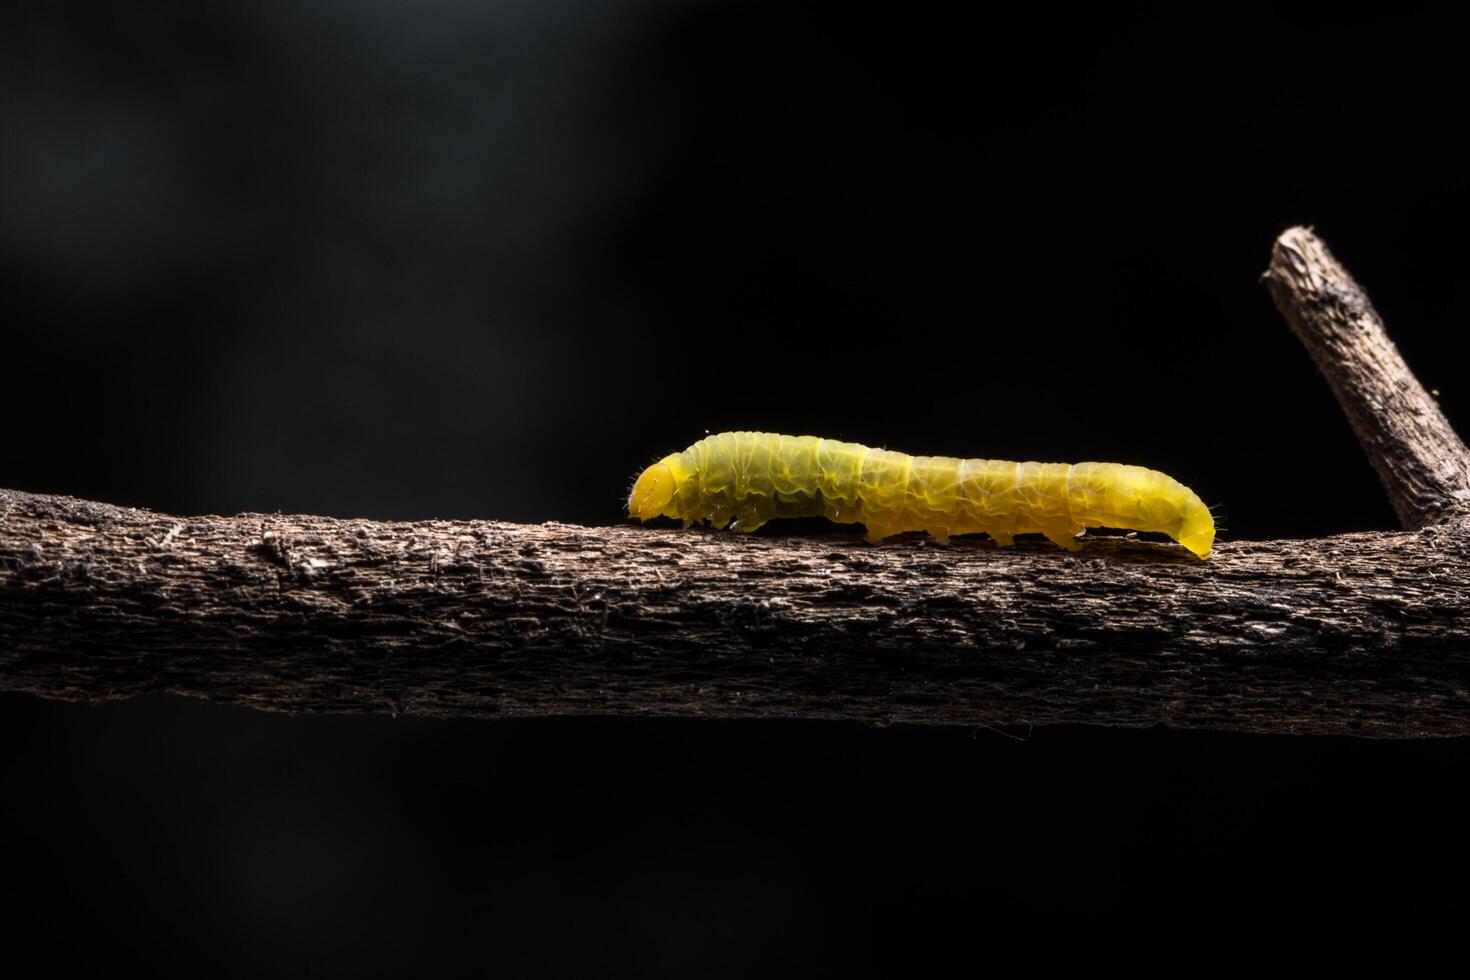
751 477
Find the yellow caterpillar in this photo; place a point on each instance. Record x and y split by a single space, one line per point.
755 476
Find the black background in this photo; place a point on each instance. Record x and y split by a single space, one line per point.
458 260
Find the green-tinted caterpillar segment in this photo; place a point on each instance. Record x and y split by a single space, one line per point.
751 477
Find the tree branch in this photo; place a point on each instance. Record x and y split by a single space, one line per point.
1423 464
1365 633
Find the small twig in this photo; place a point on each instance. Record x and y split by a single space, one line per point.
1424 465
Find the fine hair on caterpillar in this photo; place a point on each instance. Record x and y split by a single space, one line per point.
748 478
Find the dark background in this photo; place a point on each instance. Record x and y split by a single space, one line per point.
452 259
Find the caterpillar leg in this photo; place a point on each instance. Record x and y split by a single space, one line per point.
1063 537
747 521
1002 539
939 535
876 533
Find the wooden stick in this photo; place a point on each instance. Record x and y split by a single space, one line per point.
1423 464
1361 633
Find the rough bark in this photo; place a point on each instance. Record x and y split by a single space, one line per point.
1363 633
1421 461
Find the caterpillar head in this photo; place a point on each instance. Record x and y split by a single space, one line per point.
1197 528
653 491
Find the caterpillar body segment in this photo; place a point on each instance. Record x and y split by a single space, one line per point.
751 477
